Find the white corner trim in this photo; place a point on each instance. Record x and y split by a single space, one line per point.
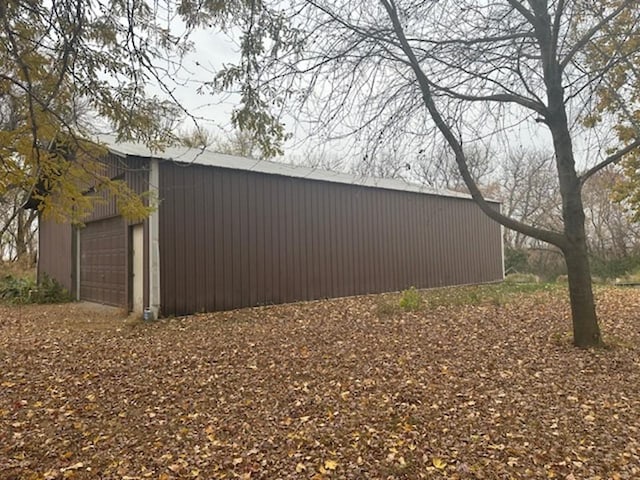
76 232
154 239
502 242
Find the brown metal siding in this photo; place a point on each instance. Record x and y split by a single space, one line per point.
55 252
134 171
232 238
57 245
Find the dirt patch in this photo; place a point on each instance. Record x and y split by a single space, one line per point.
329 389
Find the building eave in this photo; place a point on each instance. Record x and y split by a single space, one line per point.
205 157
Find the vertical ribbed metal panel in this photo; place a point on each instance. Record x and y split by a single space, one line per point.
200 245
134 171
55 252
233 238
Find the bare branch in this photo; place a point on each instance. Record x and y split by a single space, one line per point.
611 159
499 97
524 12
554 238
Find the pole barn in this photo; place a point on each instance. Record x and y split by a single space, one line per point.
233 232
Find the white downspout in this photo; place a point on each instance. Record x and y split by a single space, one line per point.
154 239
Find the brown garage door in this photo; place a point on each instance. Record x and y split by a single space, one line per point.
103 262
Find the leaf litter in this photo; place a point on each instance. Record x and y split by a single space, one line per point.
323 390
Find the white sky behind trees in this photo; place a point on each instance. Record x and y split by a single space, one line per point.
213 49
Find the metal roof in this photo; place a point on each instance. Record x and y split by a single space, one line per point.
197 156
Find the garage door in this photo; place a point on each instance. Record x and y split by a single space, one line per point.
103 262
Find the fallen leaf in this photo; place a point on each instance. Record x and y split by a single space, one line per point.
439 463
75 466
330 464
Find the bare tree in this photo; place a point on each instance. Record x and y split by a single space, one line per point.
383 163
319 160
241 143
476 72
530 193
18 229
438 169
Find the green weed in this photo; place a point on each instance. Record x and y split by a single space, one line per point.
411 300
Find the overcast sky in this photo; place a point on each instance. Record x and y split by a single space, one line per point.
213 49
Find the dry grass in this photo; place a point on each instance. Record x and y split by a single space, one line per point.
18 270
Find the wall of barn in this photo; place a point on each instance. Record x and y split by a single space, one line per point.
231 239
55 252
135 172
57 242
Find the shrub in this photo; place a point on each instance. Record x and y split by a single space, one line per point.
24 290
16 290
615 267
545 263
50 291
410 300
515 260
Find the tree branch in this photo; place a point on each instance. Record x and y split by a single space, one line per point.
498 97
473 41
557 20
548 236
523 11
616 157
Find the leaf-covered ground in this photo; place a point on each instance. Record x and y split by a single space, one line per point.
476 384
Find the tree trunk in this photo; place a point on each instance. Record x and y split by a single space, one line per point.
586 332
21 241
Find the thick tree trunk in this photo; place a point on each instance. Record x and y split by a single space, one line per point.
586 332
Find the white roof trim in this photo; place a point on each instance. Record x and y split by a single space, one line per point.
186 155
